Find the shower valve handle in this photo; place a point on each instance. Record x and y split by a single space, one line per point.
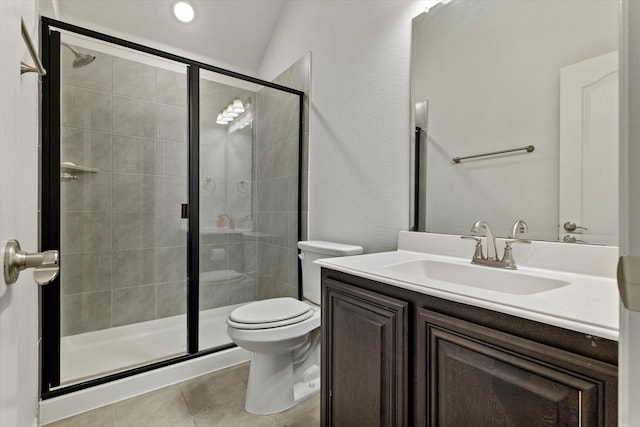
45 264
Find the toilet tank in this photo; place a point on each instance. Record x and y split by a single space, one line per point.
311 250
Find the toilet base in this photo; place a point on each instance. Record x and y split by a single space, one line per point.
271 388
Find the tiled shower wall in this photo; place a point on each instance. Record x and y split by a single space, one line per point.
277 139
123 241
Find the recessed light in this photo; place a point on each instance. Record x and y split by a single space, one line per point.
184 11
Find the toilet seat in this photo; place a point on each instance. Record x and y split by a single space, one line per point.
269 313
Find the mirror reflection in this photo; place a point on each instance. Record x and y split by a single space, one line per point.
536 77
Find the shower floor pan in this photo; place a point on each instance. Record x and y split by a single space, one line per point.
99 353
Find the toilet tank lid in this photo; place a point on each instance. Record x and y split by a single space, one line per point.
329 248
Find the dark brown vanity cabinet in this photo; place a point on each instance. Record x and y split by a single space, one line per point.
393 357
365 349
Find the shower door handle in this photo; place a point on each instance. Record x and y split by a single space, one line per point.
45 264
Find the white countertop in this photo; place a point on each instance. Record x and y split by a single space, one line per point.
589 304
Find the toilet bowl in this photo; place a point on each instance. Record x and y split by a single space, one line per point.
283 335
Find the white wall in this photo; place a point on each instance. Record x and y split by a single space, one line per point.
359 119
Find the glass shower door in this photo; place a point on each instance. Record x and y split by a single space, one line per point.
249 181
123 180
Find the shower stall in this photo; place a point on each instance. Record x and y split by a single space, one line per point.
172 190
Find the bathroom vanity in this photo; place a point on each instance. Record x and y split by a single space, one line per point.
402 345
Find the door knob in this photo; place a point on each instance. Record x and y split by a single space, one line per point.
571 226
45 264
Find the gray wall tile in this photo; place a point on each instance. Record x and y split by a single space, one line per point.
172 299
276 197
134 79
172 88
171 264
134 268
90 192
85 272
174 158
134 192
174 193
86 312
134 230
86 232
134 154
172 229
243 291
292 230
290 201
85 109
172 122
133 305
134 117
271 288
214 295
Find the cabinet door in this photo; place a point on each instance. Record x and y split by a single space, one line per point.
469 375
364 357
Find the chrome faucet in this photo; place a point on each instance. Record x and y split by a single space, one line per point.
491 259
492 254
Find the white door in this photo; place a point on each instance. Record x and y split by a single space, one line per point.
18 216
589 150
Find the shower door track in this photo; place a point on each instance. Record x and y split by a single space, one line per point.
50 201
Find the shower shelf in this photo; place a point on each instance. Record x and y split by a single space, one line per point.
78 168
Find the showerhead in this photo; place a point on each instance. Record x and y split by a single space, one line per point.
81 59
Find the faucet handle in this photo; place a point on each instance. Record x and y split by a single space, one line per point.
478 253
518 227
507 257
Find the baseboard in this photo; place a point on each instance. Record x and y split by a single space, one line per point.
65 406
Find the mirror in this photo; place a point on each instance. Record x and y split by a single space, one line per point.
497 75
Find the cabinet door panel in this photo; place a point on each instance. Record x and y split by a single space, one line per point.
364 357
474 376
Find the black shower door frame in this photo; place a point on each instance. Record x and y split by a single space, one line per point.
50 313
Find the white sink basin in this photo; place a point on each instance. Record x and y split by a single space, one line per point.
480 277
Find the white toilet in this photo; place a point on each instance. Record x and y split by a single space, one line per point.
284 336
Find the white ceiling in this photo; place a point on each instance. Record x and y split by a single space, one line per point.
233 33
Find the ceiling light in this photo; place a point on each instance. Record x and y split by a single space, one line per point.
184 11
220 120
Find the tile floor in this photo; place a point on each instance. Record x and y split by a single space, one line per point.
215 399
